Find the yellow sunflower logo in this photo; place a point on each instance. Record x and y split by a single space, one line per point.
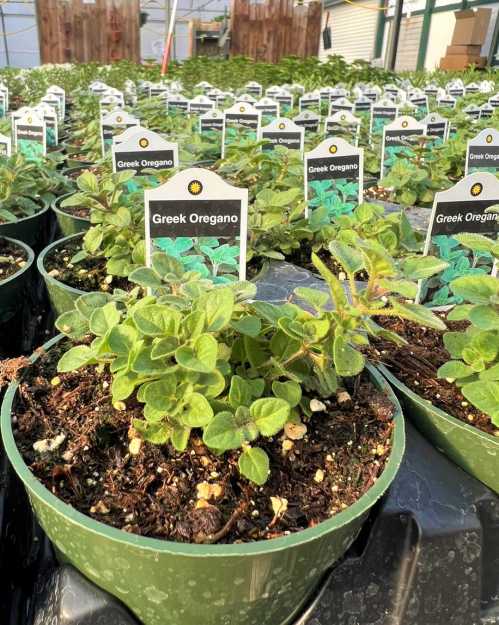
282 126
343 117
488 138
30 120
405 124
476 189
143 142
241 109
333 149
194 187
119 119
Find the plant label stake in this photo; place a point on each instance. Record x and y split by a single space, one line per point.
254 88
324 96
144 149
373 93
382 113
212 121
472 111
270 109
397 140
482 152
343 124
204 86
200 104
285 133
241 123
272 91
285 99
420 101
3 104
436 126
494 101
460 209
334 177
431 90
108 103
5 146
362 106
340 104
117 94
158 89
30 135
486 110
446 101
113 124
471 87
52 100
49 114
202 221
246 97
176 103
217 96
60 94
308 120
309 101
5 92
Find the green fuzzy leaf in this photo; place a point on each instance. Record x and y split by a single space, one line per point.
146 277
422 267
289 391
224 432
166 265
254 464
197 412
194 324
123 385
160 394
180 437
102 320
349 258
475 242
156 433
218 305
490 374
86 304
485 397
455 342
88 182
414 312
484 317
347 360
202 356
454 369
143 363
269 415
476 289
122 338
240 392
75 358
248 325
406 288
337 293
93 239
157 320
317 299
72 324
163 347
460 313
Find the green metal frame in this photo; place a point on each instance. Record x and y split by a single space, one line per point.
380 31
425 32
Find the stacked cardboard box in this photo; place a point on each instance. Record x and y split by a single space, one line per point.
467 40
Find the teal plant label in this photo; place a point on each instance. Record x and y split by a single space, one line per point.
269 108
200 220
176 104
31 135
142 150
334 177
5 146
398 139
114 124
283 132
200 104
50 116
3 104
241 123
309 120
482 153
344 125
60 94
486 110
460 209
436 126
472 111
340 104
286 100
254 88
382 113
446 101
309 102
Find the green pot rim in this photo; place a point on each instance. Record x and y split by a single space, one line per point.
29 262
56 208
43 272
454 421
186 549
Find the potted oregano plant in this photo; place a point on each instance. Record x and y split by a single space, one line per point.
190 442
16 260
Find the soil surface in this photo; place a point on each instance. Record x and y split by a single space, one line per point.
416 365
193 496
73 174
12 258
87 275
303 258
75 211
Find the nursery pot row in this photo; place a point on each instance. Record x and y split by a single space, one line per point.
168 583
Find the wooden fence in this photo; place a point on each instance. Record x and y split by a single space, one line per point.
269 30
88 30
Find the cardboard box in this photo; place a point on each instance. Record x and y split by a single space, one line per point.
462 61
471 27
469 50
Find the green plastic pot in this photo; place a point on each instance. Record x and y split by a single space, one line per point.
473 450
69 224
12 288
71 151
167 583
31 230
62 296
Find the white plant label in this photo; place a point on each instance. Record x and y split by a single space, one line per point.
241 122
144 149
343 124
398 137
114 124
482 152
5 146
285 133
30 135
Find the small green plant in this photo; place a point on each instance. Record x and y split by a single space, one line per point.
202 358
338 196
475 351
117 218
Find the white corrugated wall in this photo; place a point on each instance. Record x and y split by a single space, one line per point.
408 44
353 30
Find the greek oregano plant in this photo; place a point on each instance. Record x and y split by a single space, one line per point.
474 364
204 359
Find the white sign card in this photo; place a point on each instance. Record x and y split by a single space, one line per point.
472 87
114 124
362 106
420 101
486 110
398 137
286 100
446 101
254 88
5 146
482 152
309 101
494 101
436 126
472 111
60 94
31 135
460 209
200 104
343 124
3 104
50 116
340 104
5 91
285 133
382 113
309 120
334 177
217 96
270 109
211 121
246 97
241 123
431 90
203 221
176 103
145 149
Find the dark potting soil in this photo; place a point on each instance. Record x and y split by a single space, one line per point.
77 171
303 258
76 211
416 365
376 193
87 275
12 258
194 496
